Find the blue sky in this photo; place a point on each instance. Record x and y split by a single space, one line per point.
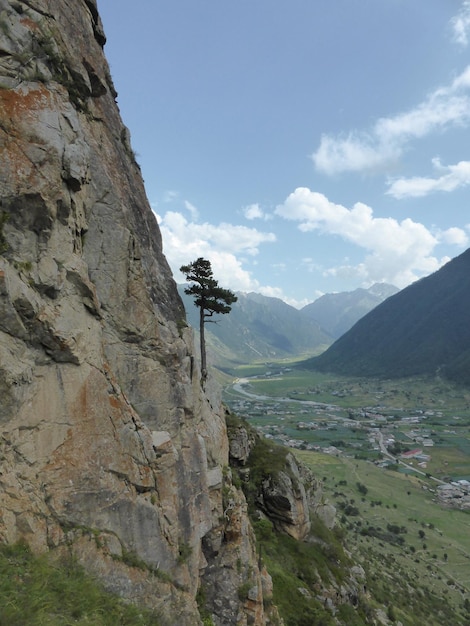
302 146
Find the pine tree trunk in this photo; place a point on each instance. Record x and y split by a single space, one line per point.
203 347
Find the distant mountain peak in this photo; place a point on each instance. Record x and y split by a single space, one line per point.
383 290
338 312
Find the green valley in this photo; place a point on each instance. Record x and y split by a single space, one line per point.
311 410
394 457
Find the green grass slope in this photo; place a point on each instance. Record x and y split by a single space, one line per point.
415 552
38 591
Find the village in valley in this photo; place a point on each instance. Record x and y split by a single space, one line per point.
394 438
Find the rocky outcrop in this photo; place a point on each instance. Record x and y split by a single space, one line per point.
251 588
109 446
241 443
287 495
283 499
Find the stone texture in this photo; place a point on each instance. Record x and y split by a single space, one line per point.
241 444
234 585
283 500
286 497
105 431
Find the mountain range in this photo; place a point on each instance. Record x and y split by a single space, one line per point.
423 329
261 327
338 312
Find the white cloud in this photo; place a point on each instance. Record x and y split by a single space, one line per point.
355 153
170 195
298 304
453 177
193 211
277 292
230 273
191 236
398 252
311 265
255 212
223 244
375 269
389 137
454 236
461 24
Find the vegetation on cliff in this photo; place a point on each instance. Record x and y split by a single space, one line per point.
40 591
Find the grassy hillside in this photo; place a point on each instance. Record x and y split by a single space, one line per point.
415 552
305 572
38 591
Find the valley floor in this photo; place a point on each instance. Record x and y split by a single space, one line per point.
395 461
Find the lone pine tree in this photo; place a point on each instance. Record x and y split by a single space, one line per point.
208 296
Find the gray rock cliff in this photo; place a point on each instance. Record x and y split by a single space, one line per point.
109 447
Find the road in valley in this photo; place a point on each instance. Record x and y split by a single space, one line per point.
239 386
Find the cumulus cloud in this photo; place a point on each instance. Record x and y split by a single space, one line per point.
397 252
355 152
376 269
253 212
225 245
389 137
461 24
451 177
454 236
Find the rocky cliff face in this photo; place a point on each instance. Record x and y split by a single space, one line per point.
108 445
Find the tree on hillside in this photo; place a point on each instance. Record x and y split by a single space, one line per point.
208 296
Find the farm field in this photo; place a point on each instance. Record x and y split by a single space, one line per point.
286 378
